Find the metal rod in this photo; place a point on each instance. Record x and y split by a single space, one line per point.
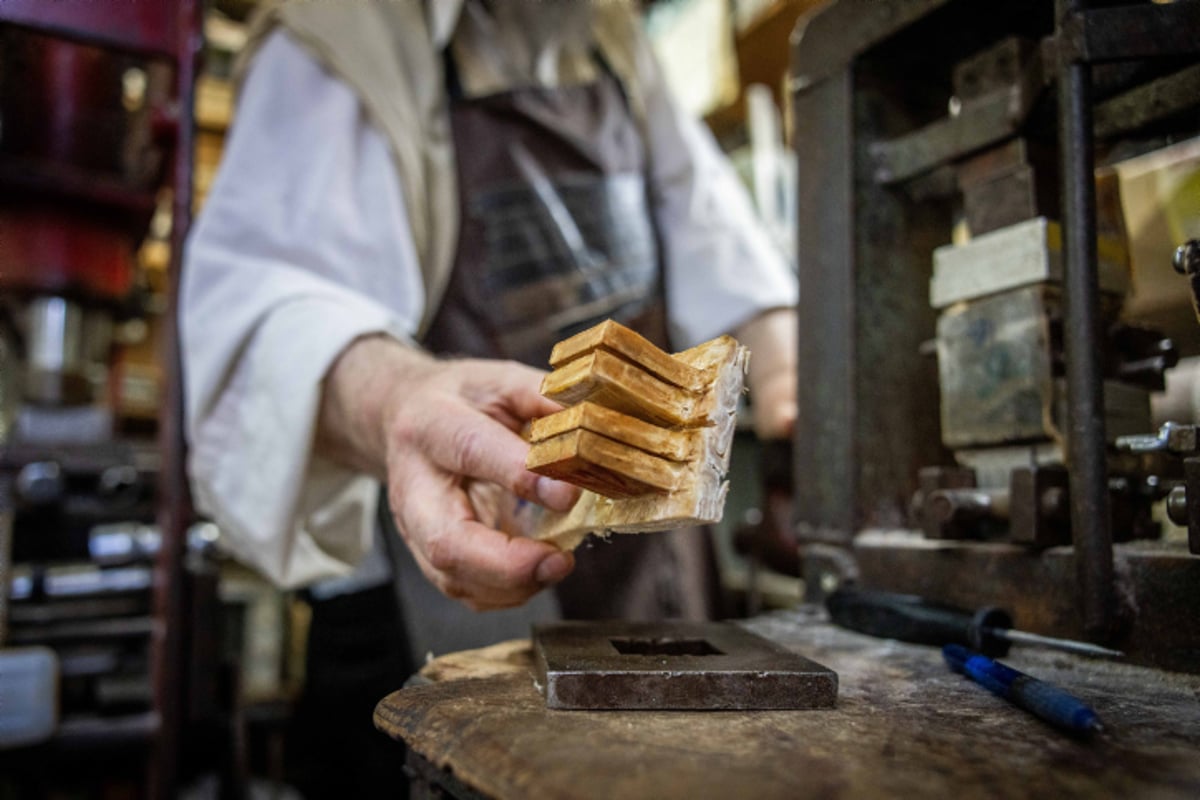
1066 645
1086 456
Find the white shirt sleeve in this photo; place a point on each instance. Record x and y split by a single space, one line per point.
303 246
721 266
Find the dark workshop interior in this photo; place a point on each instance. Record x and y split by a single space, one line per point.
281 516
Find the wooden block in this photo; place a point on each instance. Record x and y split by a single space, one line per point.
673 445
623 342
602 465
613 382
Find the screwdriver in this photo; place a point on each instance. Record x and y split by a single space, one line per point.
909 618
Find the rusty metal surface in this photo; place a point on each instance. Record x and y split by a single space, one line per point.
1009 199
1150 103
824 455
983 121
866 387
1130 31
999 65
904 726
673 665
1039 501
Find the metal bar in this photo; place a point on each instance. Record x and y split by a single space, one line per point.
1157 100
842 31
825 467
1066 645
175 506
1125 33
1086 449
673 665
984 121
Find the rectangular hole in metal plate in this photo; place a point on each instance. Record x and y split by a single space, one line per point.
665 647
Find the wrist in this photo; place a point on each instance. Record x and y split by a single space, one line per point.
361 395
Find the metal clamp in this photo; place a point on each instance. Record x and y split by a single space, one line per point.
1181 440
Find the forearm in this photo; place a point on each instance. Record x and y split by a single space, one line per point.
357 390
772 340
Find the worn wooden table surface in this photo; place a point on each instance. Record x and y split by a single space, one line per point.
904 726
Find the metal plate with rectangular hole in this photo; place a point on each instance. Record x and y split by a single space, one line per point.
673 665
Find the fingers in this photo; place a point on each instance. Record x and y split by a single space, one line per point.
490 570
474 564
465 423
459 426
476 446
465 559
517 386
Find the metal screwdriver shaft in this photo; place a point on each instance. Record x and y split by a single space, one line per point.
1068 645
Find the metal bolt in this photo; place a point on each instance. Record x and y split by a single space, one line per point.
1187 257
40 482
1177 505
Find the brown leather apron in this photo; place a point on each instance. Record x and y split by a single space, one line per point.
556 236
556 233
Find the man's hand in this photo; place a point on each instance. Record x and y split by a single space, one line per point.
444 437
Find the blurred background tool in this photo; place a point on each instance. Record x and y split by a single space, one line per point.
913 619
1037 697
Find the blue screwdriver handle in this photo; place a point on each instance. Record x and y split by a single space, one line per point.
1047 702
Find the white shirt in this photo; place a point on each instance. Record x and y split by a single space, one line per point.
303 245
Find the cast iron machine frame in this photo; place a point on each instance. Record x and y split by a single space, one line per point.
867 79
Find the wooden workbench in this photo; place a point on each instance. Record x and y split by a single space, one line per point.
904 726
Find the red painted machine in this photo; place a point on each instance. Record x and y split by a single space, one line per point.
88 132
96 107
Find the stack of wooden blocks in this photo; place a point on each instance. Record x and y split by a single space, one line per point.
646 433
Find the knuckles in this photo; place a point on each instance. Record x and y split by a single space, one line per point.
467 448
442 553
